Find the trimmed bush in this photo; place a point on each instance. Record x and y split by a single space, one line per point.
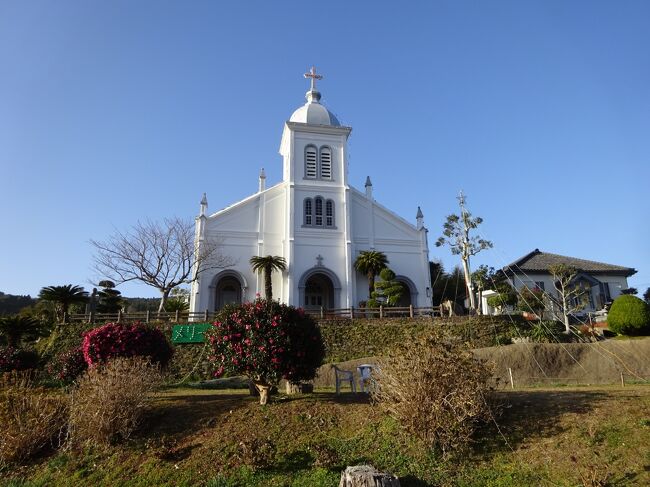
110 400
629 315
267 341
69 365
437 390
548 332
31 418
123 340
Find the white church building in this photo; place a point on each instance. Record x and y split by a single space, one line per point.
314 219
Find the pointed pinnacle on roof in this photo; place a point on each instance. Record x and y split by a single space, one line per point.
368 183
419 214
204 200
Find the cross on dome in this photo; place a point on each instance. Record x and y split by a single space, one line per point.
312 74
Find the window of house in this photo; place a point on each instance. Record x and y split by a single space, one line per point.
325 163
308 211
539 285
310 162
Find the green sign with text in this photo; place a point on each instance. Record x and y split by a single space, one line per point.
189 333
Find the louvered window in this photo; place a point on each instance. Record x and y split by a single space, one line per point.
329 213
325 163
308 211
310 162
318 202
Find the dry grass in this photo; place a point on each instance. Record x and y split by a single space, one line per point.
31 418
437 390
193 437
109 401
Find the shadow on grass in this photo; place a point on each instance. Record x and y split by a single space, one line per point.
532 414
412 481
344 398
182 415
297 460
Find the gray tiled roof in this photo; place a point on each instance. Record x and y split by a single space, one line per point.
538 261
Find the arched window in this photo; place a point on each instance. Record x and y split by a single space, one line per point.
310 162
329 213
318 203
325 163
308 211
318 212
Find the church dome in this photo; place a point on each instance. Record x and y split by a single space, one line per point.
313 112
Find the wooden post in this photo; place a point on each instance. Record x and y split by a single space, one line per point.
147 316
65 317
322 314
512 381
622 380
292 387
119 315
92 317
410 310
176 317
381 311
352 313
205 315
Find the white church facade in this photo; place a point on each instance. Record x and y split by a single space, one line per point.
316 221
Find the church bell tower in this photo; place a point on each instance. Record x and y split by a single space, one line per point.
314 155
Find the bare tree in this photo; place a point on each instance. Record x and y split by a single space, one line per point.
573 296
456 234
160 254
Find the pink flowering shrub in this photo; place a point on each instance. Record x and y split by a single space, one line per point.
69 365
12 358
9 359
124 340
267 341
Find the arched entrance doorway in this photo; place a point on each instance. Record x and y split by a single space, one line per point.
318 287
319 291
410 294
228 291
405 299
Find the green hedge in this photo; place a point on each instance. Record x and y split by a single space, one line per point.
629 315
352 339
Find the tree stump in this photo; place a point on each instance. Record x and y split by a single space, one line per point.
367 476
264 389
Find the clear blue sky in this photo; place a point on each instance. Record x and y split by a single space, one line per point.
111 112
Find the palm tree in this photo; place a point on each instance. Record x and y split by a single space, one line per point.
267 265
63 297
14 329
371 263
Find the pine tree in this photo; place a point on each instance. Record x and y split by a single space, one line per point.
110 299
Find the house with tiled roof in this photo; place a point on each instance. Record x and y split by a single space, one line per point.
604 281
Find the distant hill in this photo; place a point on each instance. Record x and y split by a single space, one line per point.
11 304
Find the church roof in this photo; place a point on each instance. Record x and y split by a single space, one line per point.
538 261
313 112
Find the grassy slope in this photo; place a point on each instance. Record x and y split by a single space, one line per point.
217 438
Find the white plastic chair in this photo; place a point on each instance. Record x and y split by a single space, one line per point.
365 376
344 376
